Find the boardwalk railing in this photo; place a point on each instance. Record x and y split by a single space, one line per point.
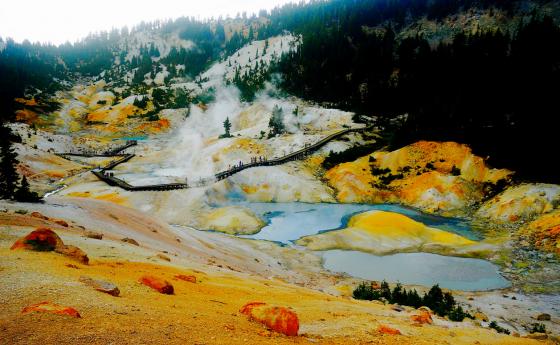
104 175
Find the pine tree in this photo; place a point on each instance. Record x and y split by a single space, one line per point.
251 34
227 128
276 123
398 295
385 291
24 194
8 173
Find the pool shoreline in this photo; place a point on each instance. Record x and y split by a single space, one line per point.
287 222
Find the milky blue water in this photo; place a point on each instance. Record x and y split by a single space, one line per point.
418 269
287 222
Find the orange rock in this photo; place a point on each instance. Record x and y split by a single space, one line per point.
49 307
46 240
39 215
61 222
423 317
41 239
158 284
73 252
279 319
130 240
187 278
383 329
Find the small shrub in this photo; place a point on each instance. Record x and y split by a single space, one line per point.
457 314
404 170
455 171
492 189
498 328
387 179
537 328
140 102
378 171
353 153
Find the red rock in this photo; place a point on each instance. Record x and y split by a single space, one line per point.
49 307
383 329
423 317
73 252
39 215
187 278
158 284
278 319
46 240
41 239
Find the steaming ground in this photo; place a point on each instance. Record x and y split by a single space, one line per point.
194 150
191 148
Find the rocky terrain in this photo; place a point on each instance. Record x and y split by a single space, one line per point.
105 299
94 263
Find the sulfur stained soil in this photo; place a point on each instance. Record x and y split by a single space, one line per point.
205 312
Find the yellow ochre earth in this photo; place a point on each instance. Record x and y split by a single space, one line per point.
381 233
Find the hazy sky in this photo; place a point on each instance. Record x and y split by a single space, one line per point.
58 21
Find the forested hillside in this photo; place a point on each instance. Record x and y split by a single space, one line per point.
493 89
487 75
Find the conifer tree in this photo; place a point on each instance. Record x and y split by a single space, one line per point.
24 194
276 123
8 173
227 128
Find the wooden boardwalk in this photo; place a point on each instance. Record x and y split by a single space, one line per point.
104 175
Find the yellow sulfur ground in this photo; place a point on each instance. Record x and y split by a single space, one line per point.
202 313
381 233
111 197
